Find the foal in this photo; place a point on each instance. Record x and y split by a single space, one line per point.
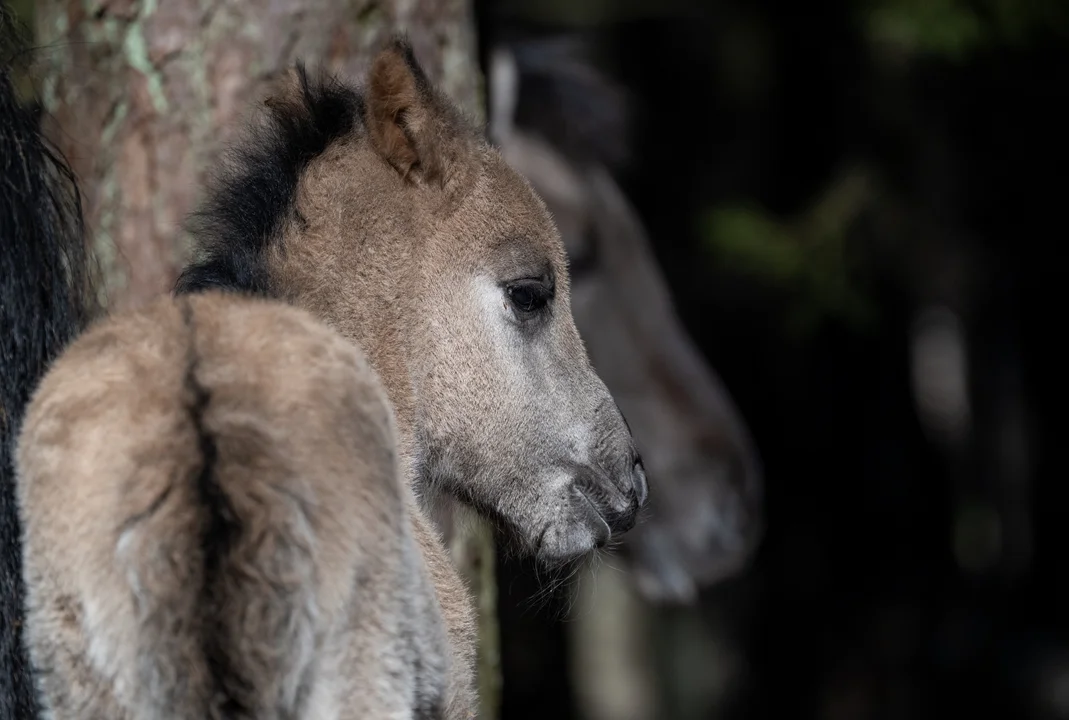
225 498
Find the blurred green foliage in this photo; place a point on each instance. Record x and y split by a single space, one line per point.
804 260
945 27
953 29
950 28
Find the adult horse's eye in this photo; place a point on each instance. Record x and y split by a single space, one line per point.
528 296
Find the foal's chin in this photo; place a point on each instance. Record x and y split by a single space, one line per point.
578 529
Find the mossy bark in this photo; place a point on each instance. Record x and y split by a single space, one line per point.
141 96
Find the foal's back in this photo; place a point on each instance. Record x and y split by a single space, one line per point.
215 526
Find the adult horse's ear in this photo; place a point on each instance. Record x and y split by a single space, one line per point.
410 126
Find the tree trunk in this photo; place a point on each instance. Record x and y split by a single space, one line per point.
144 95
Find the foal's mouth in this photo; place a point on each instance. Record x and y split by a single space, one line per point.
600 539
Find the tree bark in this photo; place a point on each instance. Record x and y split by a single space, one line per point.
143 95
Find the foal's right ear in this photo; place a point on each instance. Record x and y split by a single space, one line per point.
409 124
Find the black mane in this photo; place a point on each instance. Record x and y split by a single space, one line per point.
47 296
250 197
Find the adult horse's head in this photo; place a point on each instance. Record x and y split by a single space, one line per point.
389 215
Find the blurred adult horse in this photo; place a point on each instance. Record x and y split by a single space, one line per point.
561 124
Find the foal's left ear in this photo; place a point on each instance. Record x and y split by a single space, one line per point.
411 126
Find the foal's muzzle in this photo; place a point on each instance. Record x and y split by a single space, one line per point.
614 502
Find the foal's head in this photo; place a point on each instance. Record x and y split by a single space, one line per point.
402 227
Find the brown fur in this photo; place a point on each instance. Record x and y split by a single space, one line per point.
389 260
233 514
163 588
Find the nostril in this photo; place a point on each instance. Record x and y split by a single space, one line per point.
638 480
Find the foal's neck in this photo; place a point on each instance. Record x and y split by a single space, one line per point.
350 259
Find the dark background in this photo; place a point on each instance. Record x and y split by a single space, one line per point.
900 576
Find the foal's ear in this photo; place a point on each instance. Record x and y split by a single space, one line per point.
410 125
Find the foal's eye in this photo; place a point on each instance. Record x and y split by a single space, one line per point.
529 295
